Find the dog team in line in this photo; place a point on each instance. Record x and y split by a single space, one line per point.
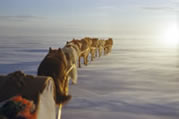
61 65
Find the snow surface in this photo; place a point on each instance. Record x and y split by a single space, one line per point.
130 83
135 81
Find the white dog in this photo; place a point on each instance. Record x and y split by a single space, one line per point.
72 58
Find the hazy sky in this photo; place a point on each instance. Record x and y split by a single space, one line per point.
103 17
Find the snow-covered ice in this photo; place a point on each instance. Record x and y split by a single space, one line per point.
135 81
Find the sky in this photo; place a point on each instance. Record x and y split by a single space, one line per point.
87 17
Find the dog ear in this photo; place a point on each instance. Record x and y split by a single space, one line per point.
59 49
50 49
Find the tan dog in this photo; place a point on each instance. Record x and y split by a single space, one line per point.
94 48
88 39
85 50
101 47
108 46
83 46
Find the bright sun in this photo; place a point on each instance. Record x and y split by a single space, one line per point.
171 36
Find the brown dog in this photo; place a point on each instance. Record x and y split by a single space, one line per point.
55 65
24 96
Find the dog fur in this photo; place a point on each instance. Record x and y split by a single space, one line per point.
55 65
72 57
108 46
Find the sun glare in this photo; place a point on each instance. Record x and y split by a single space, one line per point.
171 36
